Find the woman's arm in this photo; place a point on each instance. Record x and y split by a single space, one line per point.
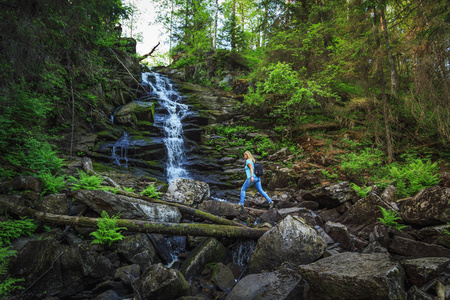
250 165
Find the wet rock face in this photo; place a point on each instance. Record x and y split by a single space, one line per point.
187 191
293 241
431 206
160 283
356 276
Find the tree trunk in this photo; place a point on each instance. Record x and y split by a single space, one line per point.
177 229
383 97
388 47
187 210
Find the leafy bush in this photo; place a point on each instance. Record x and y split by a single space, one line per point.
85 181
390 218
150 191
107 232
414 176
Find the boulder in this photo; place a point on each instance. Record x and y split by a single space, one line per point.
218 208
364 212
339 234
68 270
160 283
292 240
435 235
130 208
278 285
137 249
187 191
421 270
133 112
331 196
127 274
223 277
431 206
58 204
411 248
355 276
209 251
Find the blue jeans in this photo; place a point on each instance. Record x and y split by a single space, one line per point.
248 183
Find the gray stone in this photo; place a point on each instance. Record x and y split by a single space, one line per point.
355 276
135 111
415 249
187 191
293 241
431 206
219 208
421 270
137 249
58 204
331 196
160 283
208 251
128 273
223 277
339 234
279 285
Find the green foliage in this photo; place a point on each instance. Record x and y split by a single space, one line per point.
446 230
128 189
52 183
85 181
327 174
150 191
361 191
107 232
414 176
12 229
356 163
253 98
390 218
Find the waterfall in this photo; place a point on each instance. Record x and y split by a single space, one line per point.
169 120
120 150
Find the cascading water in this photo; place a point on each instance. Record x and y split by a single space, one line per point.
170 100
120 150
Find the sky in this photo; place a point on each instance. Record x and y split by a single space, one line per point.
151 33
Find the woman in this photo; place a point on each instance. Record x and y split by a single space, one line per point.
252 179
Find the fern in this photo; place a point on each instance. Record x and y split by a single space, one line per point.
85 181
13 229
107 232
390 218
150 191
361 191
52 184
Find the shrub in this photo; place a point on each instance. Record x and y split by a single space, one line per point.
107 232
355 164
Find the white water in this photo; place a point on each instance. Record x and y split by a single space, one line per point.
170 100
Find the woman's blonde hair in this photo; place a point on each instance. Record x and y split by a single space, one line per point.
250 156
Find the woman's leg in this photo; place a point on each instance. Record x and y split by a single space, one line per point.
260 190
245 186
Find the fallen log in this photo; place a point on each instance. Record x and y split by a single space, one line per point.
150 53
186 209
177 229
